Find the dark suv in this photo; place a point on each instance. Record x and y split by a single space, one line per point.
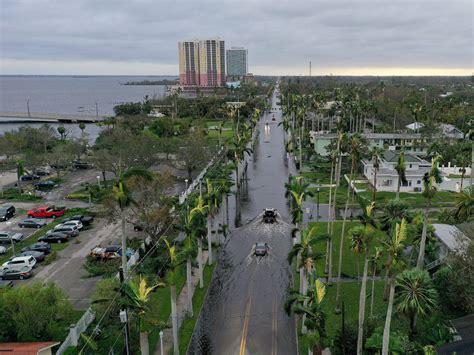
269 215
6 212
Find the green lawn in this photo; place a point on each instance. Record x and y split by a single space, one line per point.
350 292
441 198
187 328
324 195
160 306
352 264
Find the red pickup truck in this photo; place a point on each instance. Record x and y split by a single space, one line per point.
46 212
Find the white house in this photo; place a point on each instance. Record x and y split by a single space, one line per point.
387 176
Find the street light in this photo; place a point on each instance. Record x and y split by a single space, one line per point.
317 205
98 181
161 342
186 181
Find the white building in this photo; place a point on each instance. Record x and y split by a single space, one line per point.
387 176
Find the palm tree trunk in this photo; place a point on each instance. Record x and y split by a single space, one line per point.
372 293
421 254
375 185
388 319
301 148
201 279
209 239
341 246
398 188
362 296
189 278
326 266
124 246
174 320
304 282
144 346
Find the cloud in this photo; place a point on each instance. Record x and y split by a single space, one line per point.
281 35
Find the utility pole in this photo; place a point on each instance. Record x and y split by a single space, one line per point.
28 106
96 110
124 315
310 68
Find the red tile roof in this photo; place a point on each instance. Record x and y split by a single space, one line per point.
26 348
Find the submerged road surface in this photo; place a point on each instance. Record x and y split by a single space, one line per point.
244 311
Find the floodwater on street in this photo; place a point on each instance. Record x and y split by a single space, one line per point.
244 310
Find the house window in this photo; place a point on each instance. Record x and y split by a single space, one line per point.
387 183
418 182
410 165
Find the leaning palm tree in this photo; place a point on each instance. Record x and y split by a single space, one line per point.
122 196
356 145
416 295
197 217
394 246
172 277
429 190
401 170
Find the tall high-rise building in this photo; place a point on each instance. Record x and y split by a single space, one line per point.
237 61
202 62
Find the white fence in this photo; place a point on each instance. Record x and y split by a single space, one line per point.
75 331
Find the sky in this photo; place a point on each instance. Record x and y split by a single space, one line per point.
139 37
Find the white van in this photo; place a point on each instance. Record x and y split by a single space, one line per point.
19 263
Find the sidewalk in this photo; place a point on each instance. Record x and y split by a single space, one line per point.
181 306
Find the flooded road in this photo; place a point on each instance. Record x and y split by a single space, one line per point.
243 313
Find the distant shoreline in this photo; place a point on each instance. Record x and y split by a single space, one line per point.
151 82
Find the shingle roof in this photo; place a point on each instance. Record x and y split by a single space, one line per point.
26 348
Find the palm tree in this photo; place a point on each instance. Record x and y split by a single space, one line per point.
123 198
394 246
137 297
298 190
376 154
393 212
172 277
311 306
197 216
212 195
429 190
307 257
374 260
361 238
416 295
356 145
188 253
464 161
464 204
401 169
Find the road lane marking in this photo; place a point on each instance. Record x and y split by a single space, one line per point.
243 341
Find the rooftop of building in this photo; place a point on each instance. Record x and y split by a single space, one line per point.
465 328
26 348
451 236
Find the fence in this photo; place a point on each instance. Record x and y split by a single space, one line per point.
75 330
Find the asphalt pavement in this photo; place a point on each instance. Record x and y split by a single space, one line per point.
243 312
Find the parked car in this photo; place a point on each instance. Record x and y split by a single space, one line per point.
79 164
32 223
109 252
29 177
85 220
54 237
7 212
45 171
38 255
19 263
269 215
77 224
261 249
45 185
8 237
71 231
46 212
8 274
39 246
